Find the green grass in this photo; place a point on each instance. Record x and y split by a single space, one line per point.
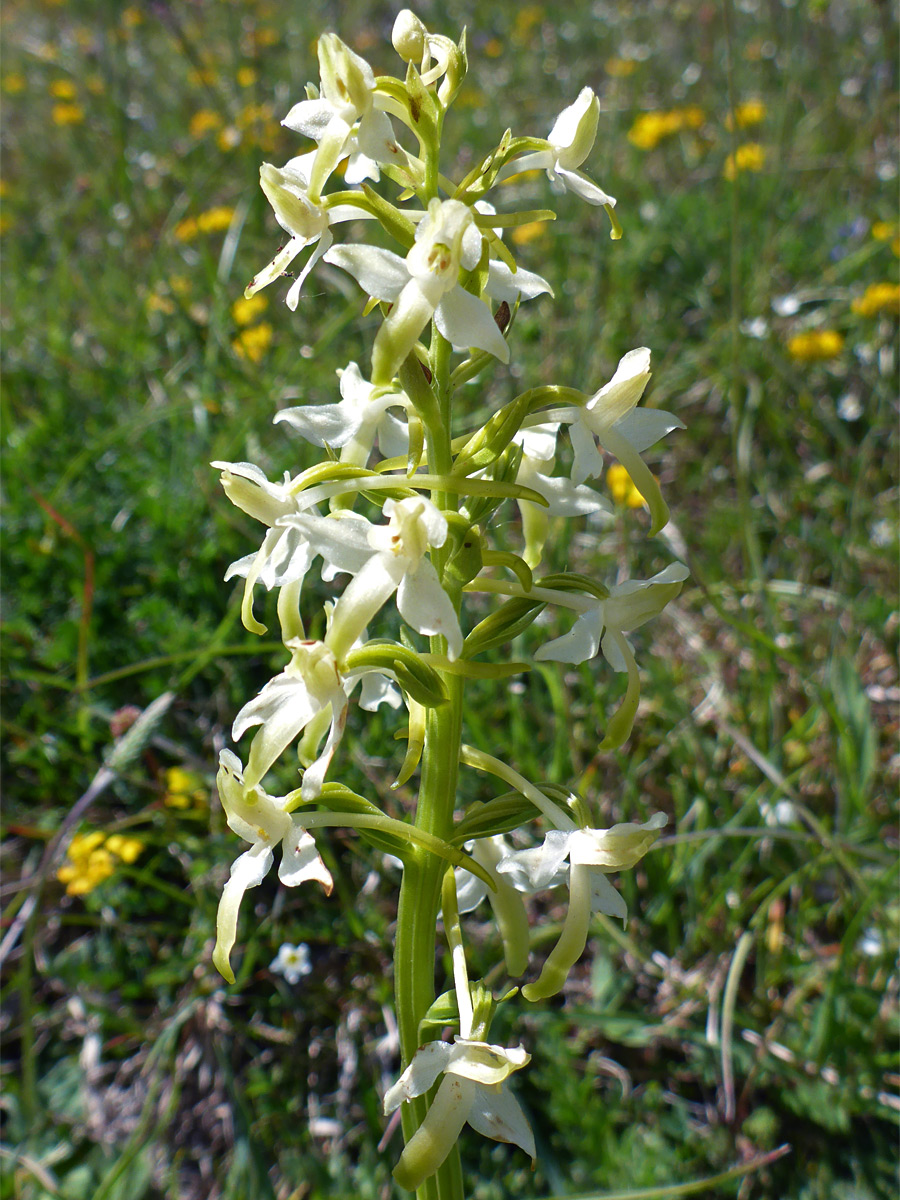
768 724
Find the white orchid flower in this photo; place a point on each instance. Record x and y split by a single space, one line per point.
564 498
346 119
591 855
309 689
473 1089
628 606
284 556
423 285
569 143
260 819
355 422
384 559
505 900
611 416
307 221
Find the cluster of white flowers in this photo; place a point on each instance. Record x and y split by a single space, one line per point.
398 442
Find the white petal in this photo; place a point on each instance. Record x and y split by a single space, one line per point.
575 129
470 890
605 898
424 605
292 299
643 427
377 689
301 860
636 601
465 321
428 1062
502 284
539 868
566 499
320 423
375 137
309 117
584 187
581 642
276 267
497 1114
588 461
623 391
483 1063
378 272
618 848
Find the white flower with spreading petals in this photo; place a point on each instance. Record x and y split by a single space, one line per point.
384 559
602 626
292 962
564 498
260 819
473 1089
346 119
355 422
612 418
309 687
426 284
569 143
284 556
307 222
591 855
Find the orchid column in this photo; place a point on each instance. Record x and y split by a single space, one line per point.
402 513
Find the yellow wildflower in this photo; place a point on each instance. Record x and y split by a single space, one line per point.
87 864
751 112
245 310
184 789
62 89
264 36
95 85
691 116
252 114
13 83
621 487
883 231
186 230
749 157
526 19
619 68
529 232
246 76
67 114
816 345
203 122
132 17
493 48
252 344
156 302
127 848
878 297
650 128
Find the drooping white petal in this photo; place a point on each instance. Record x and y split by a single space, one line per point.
502 284
334 424
301 860
605 898
426 607
583 187
465 321
643 427
309 117
497 1114
587 461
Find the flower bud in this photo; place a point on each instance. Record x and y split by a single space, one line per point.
408 36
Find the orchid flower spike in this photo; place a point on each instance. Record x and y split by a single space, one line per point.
263 821
473 1089
591 855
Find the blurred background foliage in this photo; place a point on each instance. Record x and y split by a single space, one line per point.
752 999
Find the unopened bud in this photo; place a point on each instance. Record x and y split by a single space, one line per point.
408 36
